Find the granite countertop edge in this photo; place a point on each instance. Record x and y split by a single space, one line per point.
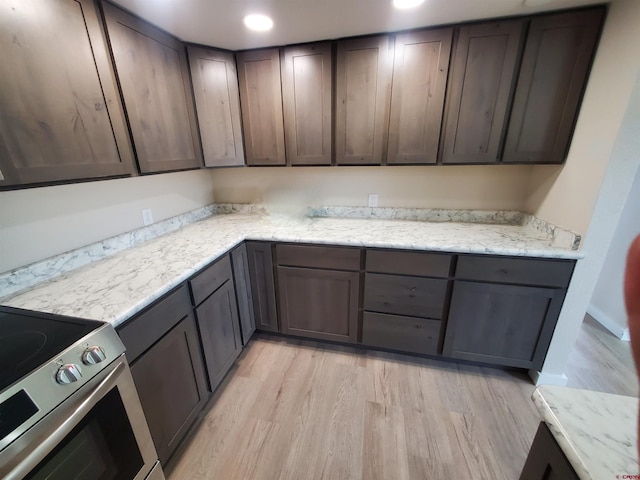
596 431
228 230
561 435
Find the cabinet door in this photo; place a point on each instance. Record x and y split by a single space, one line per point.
262 285
420 70
241 278
363 95
306 94
552 78
261 102
546 461
220 332
154 75
480 86
321 304
503 324
215 87
60 112
170 381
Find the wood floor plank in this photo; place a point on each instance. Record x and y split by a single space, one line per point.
384 453
295 409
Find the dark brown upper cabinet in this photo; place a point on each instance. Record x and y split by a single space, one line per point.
363 95
479 90
60 111
552 78
261 102
420 70
306 94
154 77
215 88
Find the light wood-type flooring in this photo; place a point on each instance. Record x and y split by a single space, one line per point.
300 410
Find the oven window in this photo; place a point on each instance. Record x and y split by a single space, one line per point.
101 447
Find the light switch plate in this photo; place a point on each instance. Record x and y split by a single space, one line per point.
373 199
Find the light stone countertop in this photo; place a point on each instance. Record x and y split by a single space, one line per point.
114 288
596 431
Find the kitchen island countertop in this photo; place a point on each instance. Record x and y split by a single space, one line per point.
596 431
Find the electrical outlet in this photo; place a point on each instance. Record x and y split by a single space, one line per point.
147 216
373 199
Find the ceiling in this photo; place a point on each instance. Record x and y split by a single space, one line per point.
219 22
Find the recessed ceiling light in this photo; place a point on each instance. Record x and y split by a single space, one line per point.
404 4
259 23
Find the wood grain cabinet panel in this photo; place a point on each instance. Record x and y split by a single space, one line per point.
215 87
306 94
420 68
508 325
261 102
210 279
480 86
170 381
316 256
546 460
413 296
552 78
263 287
154 75
408 334
422 264
244 295
363 95
321 304
217 318
60 111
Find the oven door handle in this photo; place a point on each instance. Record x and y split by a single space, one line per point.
25 461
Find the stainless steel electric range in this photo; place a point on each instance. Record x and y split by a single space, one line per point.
68 405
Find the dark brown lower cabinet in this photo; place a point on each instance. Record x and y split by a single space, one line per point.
263 289
241 279
546 461
170 381
220 332
408 334
317 303
508 325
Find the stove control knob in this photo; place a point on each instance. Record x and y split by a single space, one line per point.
93 355
68 373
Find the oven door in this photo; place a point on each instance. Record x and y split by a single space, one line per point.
99 433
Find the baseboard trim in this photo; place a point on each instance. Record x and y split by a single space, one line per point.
542 378
607 322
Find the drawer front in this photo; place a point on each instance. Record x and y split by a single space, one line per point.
408 334
210 279
524 271
408 263
337 258
413 296
142 331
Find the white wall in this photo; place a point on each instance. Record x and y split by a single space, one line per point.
613 82
37 223
501 187
607 303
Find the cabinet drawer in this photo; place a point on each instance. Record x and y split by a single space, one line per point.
409 334
524 271
210 279
408 263
338 258
414 296
139 333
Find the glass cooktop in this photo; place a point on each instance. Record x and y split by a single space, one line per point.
30 339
